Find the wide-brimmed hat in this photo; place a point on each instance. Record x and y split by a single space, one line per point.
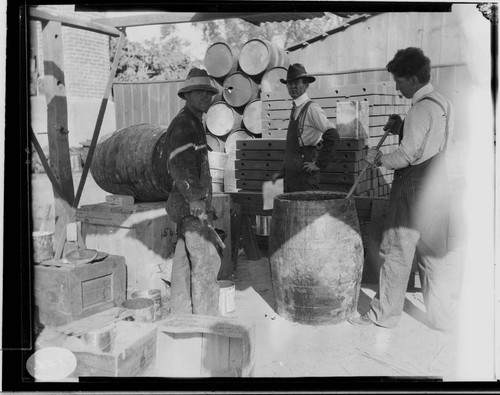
295 71
195 80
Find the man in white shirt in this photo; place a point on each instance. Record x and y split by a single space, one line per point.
417 222
308 126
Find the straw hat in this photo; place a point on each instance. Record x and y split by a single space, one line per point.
295 71
197 79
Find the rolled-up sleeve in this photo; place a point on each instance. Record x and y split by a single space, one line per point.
416 127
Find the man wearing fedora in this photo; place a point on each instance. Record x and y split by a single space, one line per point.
307 128
194 287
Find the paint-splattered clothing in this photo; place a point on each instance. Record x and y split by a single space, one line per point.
196 261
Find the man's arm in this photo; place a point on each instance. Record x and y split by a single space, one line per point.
183 164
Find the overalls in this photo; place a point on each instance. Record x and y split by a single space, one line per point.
413 229
297 179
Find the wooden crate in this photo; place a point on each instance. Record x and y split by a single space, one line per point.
135 355
145 235
204 346
65 294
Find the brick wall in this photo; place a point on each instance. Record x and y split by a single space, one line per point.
86 56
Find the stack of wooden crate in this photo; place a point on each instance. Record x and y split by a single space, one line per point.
382 100
256 161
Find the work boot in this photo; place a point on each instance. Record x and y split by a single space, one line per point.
360 320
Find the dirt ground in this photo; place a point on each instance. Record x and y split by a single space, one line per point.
288 349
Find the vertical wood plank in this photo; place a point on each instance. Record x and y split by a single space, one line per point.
164 356
137 104
431 40
377 40
164 112
154 98
450 39
215 355
145 102
57 124
128 106
236 354
187 354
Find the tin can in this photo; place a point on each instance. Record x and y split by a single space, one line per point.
155 296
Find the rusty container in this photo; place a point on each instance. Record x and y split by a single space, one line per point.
133 161
316 256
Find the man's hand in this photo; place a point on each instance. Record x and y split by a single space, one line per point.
276 176
197 209
373 156
310 167
393 124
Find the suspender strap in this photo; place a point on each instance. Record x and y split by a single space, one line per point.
446 117
302 120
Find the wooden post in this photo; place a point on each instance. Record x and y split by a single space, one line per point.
57 122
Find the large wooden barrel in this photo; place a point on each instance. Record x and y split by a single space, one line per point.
132 161
252 117
222 118
239 90
230 148
316 256
221 60
257 56
271 80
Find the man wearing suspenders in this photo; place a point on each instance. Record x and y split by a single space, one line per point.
308 126
417 222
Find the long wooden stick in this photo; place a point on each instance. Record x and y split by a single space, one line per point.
98 125
367 164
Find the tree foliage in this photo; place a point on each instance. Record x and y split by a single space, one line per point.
153 60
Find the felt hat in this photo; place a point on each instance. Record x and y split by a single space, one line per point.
295 71
197 79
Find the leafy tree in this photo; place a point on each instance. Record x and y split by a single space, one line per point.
154 60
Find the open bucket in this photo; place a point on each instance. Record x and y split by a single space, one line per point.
43 248
142 308
227 291
155 296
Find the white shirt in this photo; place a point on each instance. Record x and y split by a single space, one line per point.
423 132
316 122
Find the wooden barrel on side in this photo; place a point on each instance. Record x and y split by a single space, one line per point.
316 256
257 56
239 90
221 118
230 148
252 117
221 60
271 80
132 161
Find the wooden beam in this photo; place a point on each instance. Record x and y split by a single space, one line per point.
165 18
71 21
57 123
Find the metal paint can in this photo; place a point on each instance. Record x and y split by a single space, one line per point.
155 296
143 309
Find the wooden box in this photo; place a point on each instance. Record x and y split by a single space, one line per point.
204 346
145 235
133 352
67 293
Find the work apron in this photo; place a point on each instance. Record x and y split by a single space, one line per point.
297 179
